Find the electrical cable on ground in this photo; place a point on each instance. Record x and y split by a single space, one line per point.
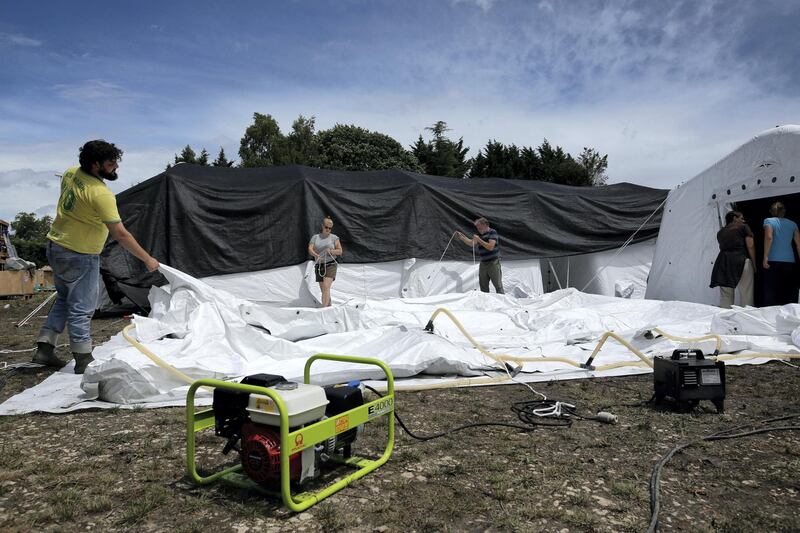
532 414
655 478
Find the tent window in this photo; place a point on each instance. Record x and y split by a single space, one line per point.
791 179
774 179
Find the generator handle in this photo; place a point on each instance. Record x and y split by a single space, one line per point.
350 359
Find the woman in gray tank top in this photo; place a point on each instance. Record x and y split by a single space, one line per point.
324 247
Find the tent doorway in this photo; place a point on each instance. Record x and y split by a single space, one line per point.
755 211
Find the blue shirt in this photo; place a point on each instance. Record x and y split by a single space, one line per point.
489 255
782 233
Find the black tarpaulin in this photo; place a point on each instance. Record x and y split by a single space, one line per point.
211 220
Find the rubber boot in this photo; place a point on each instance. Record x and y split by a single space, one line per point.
82 360
46 355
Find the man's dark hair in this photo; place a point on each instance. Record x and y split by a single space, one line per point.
97 151
731 215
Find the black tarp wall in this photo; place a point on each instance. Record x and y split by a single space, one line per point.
211 220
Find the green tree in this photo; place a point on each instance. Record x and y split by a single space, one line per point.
187 156
497 160
560 167
545 163
355 148
221 160
302 143
595 165
442 156
202 159
30 237
263 144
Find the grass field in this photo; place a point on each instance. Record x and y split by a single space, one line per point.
124 469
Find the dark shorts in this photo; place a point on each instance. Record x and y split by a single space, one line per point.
326 270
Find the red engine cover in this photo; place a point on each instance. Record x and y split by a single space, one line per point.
261 455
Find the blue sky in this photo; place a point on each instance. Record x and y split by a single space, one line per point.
664 88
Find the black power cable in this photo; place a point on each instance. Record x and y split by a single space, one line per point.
655 478
524 410
449 431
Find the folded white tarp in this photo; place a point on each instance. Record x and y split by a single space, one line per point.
204 331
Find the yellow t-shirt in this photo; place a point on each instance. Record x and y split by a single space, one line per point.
85 206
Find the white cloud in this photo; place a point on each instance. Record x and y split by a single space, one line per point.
485 5
33 191
657 86
20 40
94 90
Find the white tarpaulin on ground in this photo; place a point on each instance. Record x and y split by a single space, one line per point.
208 332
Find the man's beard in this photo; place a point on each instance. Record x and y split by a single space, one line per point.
110 176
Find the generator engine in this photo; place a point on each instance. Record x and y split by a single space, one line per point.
251 425
688 377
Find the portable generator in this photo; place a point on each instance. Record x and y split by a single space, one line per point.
285 431
688 377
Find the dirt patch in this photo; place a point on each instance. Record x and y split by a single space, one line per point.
119 469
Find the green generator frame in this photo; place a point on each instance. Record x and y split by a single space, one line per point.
298 440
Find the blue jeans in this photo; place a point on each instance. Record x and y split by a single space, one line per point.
76 278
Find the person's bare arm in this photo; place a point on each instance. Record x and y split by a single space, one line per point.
463 238
767 245
751 249
797 240
489 245
312 252
337 249
127 241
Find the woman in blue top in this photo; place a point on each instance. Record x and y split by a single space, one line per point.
780 280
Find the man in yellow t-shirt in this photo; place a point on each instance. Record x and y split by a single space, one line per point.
86 215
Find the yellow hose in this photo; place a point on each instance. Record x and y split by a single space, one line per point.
623 342
502 358
694 339
153 357
462 382
728 357
756 356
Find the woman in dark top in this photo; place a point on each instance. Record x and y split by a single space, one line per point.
734 267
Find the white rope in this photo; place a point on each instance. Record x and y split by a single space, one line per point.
630 239
438 269
446 247
478 273
364 280
31 349
38 308
505 367
553 270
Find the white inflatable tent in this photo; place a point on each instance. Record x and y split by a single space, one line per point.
622 272
764 169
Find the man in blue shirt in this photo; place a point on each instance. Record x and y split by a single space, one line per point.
488 244
780 285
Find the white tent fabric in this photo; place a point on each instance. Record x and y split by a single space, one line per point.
207 332
767 165
620 273
410 278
